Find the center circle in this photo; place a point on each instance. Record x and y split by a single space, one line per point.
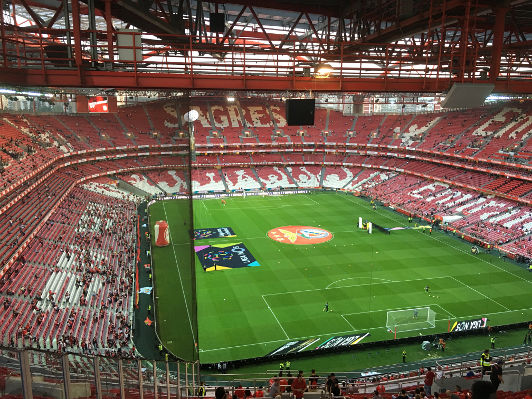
300 235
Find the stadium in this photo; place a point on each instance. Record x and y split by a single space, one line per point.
201 198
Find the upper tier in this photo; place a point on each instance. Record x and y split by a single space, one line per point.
495 134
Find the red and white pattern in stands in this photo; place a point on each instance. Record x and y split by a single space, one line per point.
240 179
338 177
204 180
367 177
274 177
170 181
306 176
142 182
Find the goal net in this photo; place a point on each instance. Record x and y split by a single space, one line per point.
411 319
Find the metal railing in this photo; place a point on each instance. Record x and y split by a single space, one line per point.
26 373
36 372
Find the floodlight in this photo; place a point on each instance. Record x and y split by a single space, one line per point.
191 116
323 70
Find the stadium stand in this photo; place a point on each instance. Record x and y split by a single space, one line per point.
376 130
205 180
98 130
57 293
273 178
69 287
240 179
338 178
306 176
170 181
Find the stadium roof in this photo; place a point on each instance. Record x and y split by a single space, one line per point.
371 45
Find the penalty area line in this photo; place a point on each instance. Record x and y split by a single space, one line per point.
347 321
278 322
346 332
480 293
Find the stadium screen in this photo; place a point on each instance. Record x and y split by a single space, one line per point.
98 104
300 112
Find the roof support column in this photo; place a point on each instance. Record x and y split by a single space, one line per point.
3 32
66 16
92 33
109 21
498 37
464 40
77 32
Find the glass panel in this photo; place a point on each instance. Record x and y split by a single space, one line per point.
47 373
161 379
131 377
173 379
147 379
109 377
82 382
10 382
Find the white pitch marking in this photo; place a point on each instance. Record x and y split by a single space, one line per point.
450 245
480 293
352 278
357 285
181 281
341 332
278 322
347 321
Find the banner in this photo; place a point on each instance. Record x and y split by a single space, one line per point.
293 347
345 340
224 256
217 232
145 290
469 325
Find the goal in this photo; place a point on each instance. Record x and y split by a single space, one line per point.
410 319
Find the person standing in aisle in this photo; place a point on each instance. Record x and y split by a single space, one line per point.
485 361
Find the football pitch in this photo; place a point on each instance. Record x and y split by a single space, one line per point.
271 289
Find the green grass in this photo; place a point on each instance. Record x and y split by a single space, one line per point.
249 312
175 300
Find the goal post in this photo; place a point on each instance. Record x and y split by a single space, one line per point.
410 319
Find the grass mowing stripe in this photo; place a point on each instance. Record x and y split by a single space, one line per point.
309 275
467 253
480 293
344 332
278 322
347 321
357 285
181 282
